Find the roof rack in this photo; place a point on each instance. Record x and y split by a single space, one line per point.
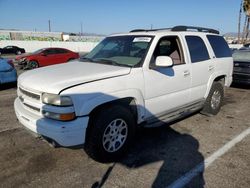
180 28
148 30
191 28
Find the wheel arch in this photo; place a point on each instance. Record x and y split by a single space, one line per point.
132 99
215 78
128 102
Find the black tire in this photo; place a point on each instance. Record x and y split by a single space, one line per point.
32 64
71 59
95 145
214 100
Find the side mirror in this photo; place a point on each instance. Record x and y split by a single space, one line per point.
163 61
43 54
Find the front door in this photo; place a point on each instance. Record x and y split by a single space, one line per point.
167 88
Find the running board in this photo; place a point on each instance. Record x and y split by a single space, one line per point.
174 114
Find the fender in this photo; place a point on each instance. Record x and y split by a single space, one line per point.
98 99
212 78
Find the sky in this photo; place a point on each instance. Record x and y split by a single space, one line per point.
114 16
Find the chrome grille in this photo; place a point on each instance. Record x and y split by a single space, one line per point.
29 94
32 107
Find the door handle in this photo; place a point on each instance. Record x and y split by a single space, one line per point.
211 67
186 73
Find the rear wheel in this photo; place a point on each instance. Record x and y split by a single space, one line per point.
71 59
110 133
214 100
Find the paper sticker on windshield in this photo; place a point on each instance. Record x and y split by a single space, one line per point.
142 39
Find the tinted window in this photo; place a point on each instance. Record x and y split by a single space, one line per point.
61 51
197 49
219 46
50 51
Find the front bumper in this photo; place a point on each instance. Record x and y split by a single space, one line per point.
66 134
241 78
22 63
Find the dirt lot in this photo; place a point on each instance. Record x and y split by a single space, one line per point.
158 157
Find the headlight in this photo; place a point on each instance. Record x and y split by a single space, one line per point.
56 100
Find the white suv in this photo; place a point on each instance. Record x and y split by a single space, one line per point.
141 78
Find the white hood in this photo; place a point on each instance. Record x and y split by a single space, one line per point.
53 79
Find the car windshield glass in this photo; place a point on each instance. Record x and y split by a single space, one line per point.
243 56
38 51
120 50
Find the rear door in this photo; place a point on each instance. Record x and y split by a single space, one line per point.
48 57
63 55
223 61
202 66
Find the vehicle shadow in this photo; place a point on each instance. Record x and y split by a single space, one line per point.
178 152
8 86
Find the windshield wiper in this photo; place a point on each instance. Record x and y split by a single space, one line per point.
112 62
86 59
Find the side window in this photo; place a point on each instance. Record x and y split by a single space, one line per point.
61 51
49 52
219 46
197 49
170 46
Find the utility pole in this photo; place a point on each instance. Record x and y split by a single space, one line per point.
49 26
247 28
81 30
151 26
239 23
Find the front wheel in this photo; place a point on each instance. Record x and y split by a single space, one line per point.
214 100
110 133
33 64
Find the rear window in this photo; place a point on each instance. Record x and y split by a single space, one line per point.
197 49
219 46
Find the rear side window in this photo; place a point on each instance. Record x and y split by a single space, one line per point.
219 46
197 49
61 51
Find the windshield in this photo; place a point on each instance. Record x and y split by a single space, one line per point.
38 51
243 56
120 50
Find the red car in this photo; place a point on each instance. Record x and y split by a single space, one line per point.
45 57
